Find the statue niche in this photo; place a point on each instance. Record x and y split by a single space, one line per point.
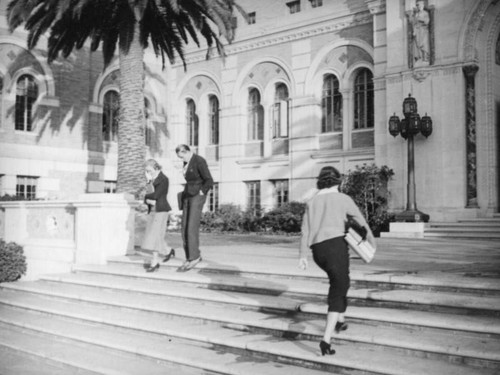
420 35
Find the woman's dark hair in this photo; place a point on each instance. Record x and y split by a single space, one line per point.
328 177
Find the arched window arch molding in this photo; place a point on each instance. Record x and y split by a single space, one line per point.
268 94
468 34
184 82
350 74
238 85
97 94
318 82
203 105
310 84
10 91
47 77
9 95
105 90
155 107
243 94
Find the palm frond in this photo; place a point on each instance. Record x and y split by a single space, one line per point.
18 11
109 45
125 21
38 23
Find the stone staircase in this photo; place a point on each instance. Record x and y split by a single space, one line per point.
222 319
482 229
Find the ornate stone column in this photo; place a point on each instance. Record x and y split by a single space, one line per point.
470 132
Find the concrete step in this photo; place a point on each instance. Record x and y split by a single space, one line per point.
440 233
106 326
15 362
38 352
457 227
277 316
167 353
315 290
482 228
360 275
406 317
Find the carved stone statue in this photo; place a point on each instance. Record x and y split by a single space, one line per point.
420 49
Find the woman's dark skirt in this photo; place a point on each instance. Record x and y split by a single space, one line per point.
332 256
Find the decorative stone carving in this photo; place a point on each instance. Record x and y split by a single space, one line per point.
472 29
421 75
375 6
470 131
420 22
497 51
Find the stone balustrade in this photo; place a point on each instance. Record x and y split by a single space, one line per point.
58 234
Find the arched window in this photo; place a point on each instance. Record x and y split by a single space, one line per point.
363 100
192 123
213 119
110 116
331 105
255 116
26 95
280 111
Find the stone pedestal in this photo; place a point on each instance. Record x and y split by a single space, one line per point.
104 227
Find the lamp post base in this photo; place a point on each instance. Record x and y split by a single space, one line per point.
412 216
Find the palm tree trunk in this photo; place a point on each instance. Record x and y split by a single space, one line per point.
131 142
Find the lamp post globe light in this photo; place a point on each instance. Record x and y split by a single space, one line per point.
408 127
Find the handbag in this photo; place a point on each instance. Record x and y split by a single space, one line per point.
356 240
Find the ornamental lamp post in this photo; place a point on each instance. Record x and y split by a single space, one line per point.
408 127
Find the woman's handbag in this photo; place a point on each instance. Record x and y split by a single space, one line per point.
356 240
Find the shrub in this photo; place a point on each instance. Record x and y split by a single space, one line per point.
367 186
12 261
226 219
251 221
286 218
8 198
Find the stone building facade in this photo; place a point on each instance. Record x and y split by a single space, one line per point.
305 84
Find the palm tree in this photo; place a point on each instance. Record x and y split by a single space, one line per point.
132 25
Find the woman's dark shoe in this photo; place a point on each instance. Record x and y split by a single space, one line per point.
341 326
326 348
153 268
170 255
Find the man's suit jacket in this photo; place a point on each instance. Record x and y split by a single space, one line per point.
197 177
160 185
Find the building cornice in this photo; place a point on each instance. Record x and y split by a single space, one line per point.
318 28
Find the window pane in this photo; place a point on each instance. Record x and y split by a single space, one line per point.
253 200
331 105
26 187
280 111
363 100
214 120
281 192
255 116
110 116
192 123
26 95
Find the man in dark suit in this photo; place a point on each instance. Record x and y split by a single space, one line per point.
198 183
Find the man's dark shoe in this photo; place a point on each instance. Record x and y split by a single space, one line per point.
192 263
